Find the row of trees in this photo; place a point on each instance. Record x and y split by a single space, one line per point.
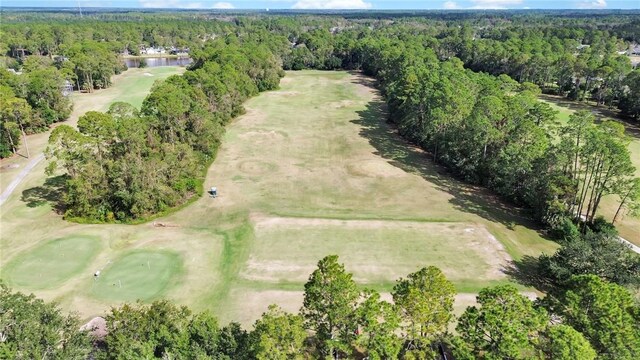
590 318
575 56
493 131
127 164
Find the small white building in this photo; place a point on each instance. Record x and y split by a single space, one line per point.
153 51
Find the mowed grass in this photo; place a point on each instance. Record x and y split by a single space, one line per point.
629 227
318 159
139 274
310 170
52 263
376 252
134 87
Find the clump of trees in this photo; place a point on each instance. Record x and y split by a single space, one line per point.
589 318
127 165
90 64
30 102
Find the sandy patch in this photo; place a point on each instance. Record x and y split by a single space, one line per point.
147 74
255 167
263 221
282 93
246 306
374 168
262 135
9 166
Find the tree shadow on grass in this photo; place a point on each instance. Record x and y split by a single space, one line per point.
51 192
410 158
601 112
527 271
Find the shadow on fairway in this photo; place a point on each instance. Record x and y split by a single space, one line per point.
527 271
51 192
601 112
468 198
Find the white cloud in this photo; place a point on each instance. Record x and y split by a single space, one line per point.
331 4
494 4
595 4
223 5
450 5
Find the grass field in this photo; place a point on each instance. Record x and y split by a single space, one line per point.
310 170
140 274
52 263
629 227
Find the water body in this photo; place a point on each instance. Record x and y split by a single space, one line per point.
158 61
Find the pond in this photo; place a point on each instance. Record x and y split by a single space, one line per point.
158 61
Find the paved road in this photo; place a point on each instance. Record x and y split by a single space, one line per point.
633 247
9 190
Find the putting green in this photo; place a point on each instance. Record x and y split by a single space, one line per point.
52 263
138 275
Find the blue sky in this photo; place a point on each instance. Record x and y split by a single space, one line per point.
337 4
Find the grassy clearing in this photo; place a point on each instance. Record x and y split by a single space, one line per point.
51 263
140 274
311 169
628 226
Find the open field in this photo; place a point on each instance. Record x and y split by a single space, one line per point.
628 226
310 170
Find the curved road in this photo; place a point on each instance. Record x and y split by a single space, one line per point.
633 247
12 186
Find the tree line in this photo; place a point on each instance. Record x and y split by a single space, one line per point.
589 318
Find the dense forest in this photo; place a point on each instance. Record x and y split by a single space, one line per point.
587 318
464 88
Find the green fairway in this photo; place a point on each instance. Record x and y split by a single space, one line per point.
311 169
134 88
52 263
139 274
